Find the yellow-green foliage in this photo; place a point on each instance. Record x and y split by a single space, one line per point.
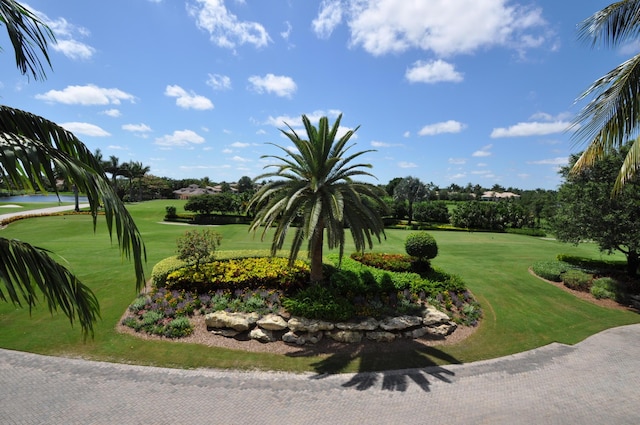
163 268
240 273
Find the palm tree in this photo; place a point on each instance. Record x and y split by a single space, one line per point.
134 170
612 117
113 167
313 189
31 150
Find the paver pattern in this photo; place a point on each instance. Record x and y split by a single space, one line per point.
594 382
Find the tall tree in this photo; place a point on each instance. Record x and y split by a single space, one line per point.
31 149
113 167
314 188
587 211
410 190
135 172
612 117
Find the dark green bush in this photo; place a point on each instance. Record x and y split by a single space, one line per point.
576 279
605 287
421 245
319 302
550 270
171 212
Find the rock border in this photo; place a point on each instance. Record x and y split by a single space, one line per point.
301 331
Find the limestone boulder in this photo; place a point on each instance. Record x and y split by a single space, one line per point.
433 316
400 323
297 324
368 324
262 335
272 322
381 336
345 336
237 321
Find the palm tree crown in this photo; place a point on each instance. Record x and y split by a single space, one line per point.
314 190
612 117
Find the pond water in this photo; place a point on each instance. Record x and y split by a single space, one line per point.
41 198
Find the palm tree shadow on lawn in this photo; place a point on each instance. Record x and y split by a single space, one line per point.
396 364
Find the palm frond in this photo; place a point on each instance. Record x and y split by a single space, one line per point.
28 36
28 271
612 25
31 148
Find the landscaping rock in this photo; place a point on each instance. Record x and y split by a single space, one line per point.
272 322
294 338
400 323
416 333
228 333
433 316
368 324
381 336
442 330
262 335
238 321
309 325
345 336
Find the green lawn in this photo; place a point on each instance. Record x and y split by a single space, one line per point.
521 311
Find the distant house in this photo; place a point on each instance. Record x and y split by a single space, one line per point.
498 196
195 190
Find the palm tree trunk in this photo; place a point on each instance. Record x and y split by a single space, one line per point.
316 254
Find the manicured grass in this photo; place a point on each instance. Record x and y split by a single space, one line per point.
521 311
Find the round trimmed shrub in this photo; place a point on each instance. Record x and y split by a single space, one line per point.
421 245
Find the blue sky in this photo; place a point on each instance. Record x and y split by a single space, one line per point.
449 91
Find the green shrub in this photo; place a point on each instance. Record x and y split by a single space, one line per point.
178 328
421 245
550 270
197 248
240 273
171 212
576 279
162 269
319 302
605 287
392 262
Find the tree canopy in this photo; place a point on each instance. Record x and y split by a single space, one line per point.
587 211
313 188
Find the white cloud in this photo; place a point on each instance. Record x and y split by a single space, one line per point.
219 82
188 100
240 159
524 129
113 113
240 145
286 33
329 17
552 161
457 161
74 49
85 129
67 36
406 134
137 128
404 164
227 150
482 152
434 71
450 126
296 122
180 138
224 28
279 85
86 95
443 27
